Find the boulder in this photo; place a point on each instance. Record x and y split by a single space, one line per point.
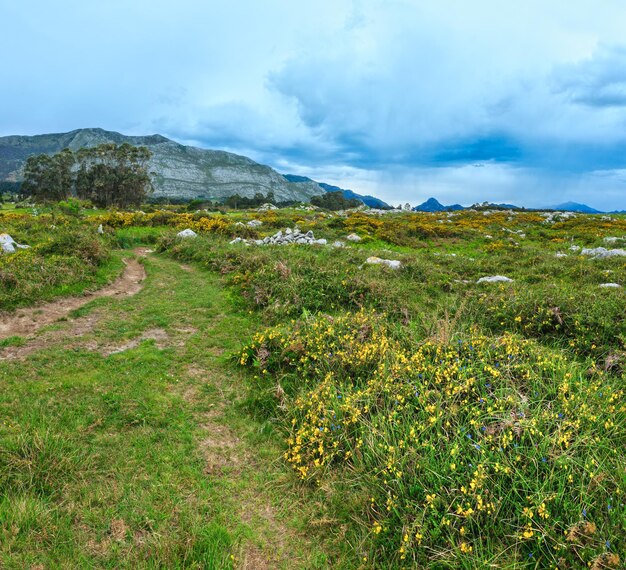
495 279
391 263
602 252
187 234
9 245
255 223
353 237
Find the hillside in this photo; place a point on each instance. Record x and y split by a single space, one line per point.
370 201
179 171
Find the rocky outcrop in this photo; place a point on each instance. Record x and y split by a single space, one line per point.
602 252
287 237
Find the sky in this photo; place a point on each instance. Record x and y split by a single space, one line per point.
522 101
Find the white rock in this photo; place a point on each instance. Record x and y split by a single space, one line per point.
321 241
255 223
613 239
338 243
391 263
495 279
236 240
100 229
559 254
9 245
610 285
602 252
353 237
187 234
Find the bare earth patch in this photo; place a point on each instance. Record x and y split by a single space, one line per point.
26 322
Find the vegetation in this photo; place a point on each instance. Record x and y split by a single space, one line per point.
335 201
409 418
108 175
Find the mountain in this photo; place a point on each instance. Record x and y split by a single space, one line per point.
575 207
370 201
433 205
179 171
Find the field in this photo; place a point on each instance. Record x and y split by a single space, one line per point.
296 406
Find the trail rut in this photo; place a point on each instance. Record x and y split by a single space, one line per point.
26 322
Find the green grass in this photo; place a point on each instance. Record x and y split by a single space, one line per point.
142 442
102 462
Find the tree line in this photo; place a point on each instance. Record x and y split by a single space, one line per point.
107 175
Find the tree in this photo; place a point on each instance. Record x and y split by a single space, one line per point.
108 175
49 178
335 201
113 175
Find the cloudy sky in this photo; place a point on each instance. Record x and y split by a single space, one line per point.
519 101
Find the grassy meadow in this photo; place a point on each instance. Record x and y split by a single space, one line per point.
297 407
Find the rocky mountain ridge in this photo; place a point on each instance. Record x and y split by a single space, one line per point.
179 171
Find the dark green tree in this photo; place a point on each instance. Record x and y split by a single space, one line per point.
49 178
113 175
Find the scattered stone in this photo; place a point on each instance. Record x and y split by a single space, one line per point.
575 248
339 243
187 234
602 252
610 285
289 236
495 279
559 254
100 229
9 245
391 263
255 223
613 239
354 237
266 207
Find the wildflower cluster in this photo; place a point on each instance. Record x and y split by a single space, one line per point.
481 446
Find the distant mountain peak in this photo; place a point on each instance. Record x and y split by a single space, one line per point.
434 205
576 207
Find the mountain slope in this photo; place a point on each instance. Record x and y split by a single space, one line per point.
576 207
370 201
179 171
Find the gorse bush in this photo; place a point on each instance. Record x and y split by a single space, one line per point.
480 449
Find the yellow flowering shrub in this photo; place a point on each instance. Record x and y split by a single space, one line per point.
457 449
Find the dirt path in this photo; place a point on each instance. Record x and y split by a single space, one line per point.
234 508
26 322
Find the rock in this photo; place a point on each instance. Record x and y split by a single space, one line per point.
391 263
187 234
610 285
9 245
602 252
255 223
559 254
574 248
236 240
266 207
495 279
321 241
100 229
338 243
613 239
353 237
